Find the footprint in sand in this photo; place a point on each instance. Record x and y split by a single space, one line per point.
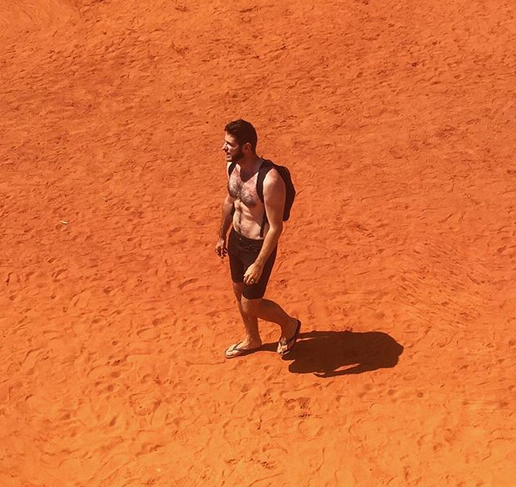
186 283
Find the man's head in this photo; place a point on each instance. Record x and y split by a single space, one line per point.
240 141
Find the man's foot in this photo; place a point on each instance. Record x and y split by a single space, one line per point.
285 345
239 350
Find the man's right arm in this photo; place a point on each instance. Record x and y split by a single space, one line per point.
227 216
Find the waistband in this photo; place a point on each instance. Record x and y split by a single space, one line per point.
241 238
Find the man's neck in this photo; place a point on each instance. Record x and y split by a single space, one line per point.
249 163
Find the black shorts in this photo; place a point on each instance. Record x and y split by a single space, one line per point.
242 253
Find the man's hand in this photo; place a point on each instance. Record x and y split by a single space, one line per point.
252 274
220 248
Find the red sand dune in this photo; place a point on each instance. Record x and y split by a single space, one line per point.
397 119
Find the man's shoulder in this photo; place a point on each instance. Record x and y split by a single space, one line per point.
272 179
269 170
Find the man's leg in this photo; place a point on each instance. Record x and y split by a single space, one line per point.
252 339
268 310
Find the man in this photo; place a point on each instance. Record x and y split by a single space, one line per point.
251 248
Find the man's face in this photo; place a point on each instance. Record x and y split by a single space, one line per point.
232 149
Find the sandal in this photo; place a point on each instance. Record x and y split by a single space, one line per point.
291 342
235 351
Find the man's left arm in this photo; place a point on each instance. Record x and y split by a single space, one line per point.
274 201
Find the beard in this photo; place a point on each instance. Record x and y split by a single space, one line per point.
239 155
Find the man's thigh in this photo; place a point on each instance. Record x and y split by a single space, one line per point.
257 291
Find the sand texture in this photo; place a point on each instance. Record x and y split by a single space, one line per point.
398 122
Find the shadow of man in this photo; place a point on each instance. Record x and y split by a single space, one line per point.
333 353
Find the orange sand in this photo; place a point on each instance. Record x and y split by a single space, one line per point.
397 119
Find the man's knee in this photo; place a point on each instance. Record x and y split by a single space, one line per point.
237 289
251 306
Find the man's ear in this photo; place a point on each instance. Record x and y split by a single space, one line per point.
247 147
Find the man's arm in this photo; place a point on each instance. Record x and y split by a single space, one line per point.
274 193
227 213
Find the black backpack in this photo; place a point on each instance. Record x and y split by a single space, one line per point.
283 171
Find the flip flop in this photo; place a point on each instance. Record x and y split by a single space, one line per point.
233 351
291 342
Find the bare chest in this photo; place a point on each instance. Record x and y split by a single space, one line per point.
243 190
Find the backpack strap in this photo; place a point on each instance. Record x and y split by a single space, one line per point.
266 166
262 172
231 168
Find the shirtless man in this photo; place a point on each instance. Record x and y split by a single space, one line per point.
251 256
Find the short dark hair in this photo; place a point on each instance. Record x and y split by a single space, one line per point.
243 132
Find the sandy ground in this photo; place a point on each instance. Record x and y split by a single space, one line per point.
398 121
